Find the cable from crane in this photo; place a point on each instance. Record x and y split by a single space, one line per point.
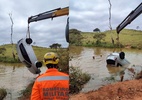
28 39
28 31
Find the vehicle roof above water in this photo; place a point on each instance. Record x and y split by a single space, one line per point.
115 54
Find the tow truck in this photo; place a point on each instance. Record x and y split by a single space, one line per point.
24 49
133 15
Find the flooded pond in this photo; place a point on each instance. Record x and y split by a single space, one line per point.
82 57
14 78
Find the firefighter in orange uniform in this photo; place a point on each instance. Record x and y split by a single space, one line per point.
52 85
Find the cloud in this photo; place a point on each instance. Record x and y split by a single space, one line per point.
41 31
90 14
85 15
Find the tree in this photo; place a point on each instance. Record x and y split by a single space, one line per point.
2 51
75 37
55 46
96 30
99 37
137 27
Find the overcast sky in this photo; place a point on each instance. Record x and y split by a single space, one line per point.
87 15
43 33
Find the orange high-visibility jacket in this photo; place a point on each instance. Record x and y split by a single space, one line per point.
52 85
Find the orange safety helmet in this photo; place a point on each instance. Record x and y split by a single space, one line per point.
50 58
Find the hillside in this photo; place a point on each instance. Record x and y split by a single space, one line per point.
7 56
39 52
127 37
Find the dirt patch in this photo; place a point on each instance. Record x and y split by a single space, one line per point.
127 90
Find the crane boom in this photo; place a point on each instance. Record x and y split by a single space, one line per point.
49 14
134 14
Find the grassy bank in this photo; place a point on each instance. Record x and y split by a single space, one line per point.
77 79
6 55
127 38
25 94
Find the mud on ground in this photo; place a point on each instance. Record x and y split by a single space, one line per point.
126 90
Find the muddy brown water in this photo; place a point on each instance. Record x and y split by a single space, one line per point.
14 78
101 74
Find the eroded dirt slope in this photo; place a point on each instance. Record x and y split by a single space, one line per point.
127 90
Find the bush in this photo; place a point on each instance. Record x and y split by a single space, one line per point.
75 37
77 79
3 93
63 60
5 59
27 90
99 37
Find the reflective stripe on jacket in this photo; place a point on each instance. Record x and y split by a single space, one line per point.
53 78
52 85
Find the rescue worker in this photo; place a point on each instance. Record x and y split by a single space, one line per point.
52 85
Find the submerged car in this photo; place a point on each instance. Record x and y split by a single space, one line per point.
117 59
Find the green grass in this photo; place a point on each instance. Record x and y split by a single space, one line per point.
77 79
127 37
7 57
39 52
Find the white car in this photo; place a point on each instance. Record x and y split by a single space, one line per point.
27 56
117 59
